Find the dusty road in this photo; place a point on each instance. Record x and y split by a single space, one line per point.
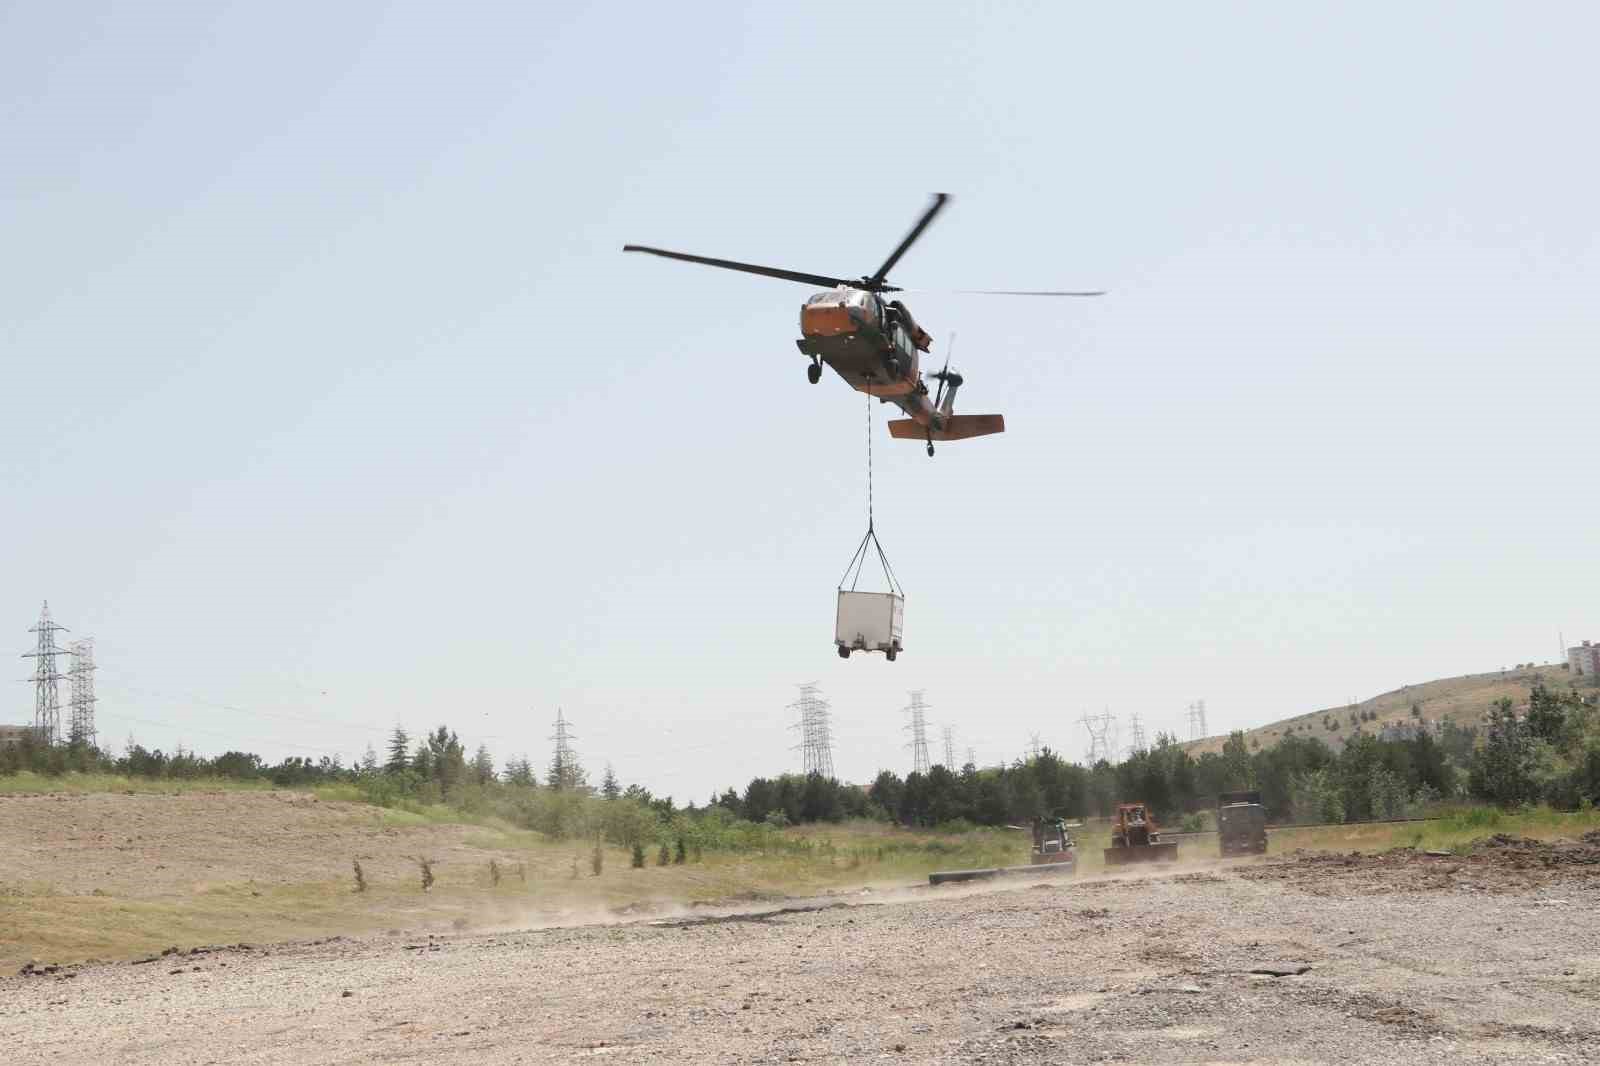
1494 958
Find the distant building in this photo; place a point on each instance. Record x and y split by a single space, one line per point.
1584 660
1410 729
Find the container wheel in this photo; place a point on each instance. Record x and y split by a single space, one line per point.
844 652
890 654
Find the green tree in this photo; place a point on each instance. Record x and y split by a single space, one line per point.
519 772
1315 797
1547 713
608 784
638 856
399 751
1387 792
483 766
1502 769
1236 761
447 759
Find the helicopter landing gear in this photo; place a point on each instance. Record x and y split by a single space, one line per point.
814 373
930 447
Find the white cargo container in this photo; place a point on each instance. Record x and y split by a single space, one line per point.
869 621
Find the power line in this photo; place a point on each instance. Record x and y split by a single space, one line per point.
230 738
919 733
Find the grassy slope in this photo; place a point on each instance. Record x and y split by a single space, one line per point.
41 920
1462 700
34 784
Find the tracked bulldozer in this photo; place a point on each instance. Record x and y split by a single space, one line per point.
1053 844
1134 838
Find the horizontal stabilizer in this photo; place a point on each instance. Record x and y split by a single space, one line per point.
956 427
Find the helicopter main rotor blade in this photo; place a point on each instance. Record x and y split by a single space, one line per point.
916 231
1022 292
748 268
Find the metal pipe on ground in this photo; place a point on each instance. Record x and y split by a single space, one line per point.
947 877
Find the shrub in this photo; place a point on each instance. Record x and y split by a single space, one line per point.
361 878
638 855
663 856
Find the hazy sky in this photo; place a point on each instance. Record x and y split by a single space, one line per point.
330 401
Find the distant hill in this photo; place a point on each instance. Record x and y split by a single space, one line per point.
1463 700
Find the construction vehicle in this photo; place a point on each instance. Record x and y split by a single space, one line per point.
1053 852
1052 843
1134 838
1241 823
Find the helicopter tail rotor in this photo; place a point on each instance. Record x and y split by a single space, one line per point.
949 382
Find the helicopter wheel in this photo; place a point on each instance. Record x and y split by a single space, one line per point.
930 449
814 373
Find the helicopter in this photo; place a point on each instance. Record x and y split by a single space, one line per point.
874 343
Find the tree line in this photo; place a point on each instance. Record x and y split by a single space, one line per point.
1549 754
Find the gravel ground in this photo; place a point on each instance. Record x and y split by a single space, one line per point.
1491 958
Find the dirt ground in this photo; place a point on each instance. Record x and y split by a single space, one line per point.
1489 957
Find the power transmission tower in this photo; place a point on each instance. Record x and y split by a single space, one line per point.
1136 741
972 758
47 697
919 733
950 749
1197 720
1033 745
565 772
1102 729
816 741
80 728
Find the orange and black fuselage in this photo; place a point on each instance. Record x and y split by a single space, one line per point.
875 346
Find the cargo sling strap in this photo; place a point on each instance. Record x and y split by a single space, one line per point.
852 572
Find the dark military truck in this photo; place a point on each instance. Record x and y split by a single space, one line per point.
1241 823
